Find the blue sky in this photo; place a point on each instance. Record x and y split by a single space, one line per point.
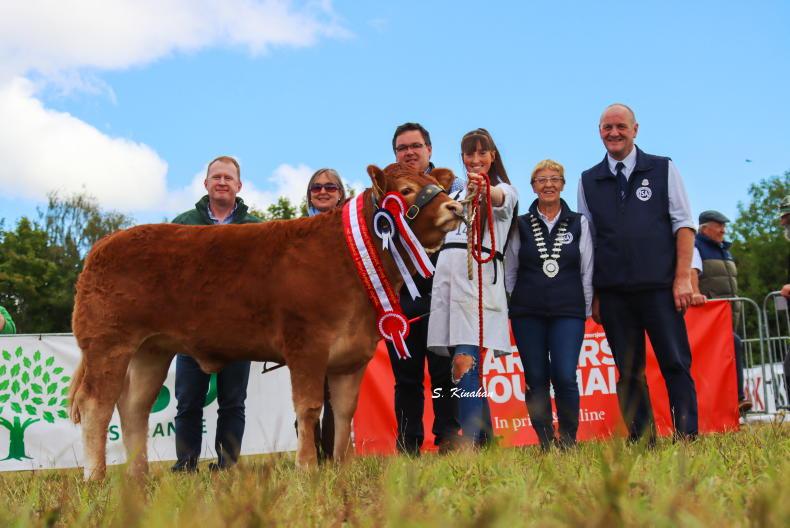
128 100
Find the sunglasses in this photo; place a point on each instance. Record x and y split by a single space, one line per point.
328 187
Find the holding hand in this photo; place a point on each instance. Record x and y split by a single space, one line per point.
682 292
475 181
698 299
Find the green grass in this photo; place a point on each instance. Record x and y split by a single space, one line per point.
735 479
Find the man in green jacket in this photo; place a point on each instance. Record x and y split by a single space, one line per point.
219 206
7 325
719 279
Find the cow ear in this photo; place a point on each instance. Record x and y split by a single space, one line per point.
445 177
379 181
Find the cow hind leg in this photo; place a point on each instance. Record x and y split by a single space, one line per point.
144 378
344 393
95 399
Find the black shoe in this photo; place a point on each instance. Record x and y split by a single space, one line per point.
649 441
184 467
745 405
565 443
215 468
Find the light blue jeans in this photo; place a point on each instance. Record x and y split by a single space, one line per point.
473 411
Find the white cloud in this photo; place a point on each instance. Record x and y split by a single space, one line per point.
44 150
53 35
55 42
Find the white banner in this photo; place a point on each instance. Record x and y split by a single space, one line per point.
764 395
35 432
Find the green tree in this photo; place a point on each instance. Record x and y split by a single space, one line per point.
40 261
758 245
33 286
31 389
282 209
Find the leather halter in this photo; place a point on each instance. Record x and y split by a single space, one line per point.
424 197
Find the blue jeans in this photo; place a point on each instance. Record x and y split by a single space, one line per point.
549 348
473 411
191 388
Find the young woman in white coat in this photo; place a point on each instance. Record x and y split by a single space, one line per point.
454 324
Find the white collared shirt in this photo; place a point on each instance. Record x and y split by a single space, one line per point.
679 206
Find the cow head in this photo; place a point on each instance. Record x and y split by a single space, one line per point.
432 220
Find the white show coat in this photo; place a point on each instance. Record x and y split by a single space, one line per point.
454 300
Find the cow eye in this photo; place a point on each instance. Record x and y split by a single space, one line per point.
406 191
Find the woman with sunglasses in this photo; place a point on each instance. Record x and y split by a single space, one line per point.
454 322
325 193
549 277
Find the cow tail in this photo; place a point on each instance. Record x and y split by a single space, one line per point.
76 382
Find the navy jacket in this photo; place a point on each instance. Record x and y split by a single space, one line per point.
634 242
536 294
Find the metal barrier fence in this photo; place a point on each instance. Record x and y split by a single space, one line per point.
776 319
764 335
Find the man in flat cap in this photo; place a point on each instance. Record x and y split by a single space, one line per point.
719 279
784 218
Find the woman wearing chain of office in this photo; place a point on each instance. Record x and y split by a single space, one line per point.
548 273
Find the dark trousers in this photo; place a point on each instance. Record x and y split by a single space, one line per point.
739 364
191 388
549 348
626 316
410 395
325 429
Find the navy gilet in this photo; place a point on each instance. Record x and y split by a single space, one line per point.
536 294
634 243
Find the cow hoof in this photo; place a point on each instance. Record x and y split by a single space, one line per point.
93 475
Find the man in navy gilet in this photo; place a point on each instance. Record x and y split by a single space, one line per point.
644 238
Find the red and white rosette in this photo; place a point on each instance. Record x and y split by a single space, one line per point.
392 324
394 327
396 205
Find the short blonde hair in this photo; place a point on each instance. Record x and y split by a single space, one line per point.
225 159
548 164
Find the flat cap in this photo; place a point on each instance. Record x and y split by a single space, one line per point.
712 216
784 206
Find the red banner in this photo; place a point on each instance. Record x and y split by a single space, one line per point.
712 367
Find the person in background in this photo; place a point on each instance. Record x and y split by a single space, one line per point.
549 270
411 144
643 231
784 219
220 206
7 325
454 323
325 193
719 279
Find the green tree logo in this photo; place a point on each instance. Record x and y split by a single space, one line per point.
31 390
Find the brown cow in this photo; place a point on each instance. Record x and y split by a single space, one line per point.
284 291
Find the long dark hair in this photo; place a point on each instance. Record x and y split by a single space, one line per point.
481 138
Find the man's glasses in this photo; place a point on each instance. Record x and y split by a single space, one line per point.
328 187
403 148
543 181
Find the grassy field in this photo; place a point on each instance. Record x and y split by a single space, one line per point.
736 479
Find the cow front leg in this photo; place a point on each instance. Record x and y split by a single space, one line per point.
307 386
344 394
